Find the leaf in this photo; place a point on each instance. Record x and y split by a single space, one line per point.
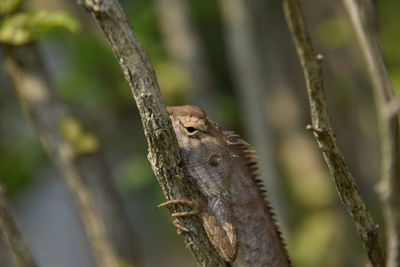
71 129
9 6
87 143
28 26
82 142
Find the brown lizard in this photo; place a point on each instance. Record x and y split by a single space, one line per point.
231 203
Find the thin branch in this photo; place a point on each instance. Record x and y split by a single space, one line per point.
387 105
163 147
323 133
27 72
12 236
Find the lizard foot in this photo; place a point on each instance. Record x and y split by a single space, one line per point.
194 212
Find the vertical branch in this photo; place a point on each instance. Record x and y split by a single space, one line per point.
362 18
163 147
27 72
12 236
323 133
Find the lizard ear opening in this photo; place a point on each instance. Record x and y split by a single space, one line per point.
215 160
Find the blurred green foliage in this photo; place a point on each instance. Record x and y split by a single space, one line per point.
389 37
24 27
9 6
319 235
81 141
336 26
90 71
20 161
134 173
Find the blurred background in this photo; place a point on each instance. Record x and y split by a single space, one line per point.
235 60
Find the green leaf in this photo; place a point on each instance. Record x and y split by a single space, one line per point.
71 129
87 143
26 27
82 142
8 6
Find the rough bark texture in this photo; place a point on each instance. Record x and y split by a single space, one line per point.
163 148
9 232
362 18
323 133
106 225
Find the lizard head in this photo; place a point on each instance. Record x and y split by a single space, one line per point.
192 122
203 148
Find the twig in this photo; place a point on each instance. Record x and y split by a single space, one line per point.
345 184
163 147
387 106
26 71
12 236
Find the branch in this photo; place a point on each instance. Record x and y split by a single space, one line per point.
163 147
12 236
323 133
110 248
387 106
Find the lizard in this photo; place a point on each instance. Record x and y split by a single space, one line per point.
232 205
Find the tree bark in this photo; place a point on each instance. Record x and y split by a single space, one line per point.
163 148
323 133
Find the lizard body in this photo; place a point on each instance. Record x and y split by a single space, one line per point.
231 203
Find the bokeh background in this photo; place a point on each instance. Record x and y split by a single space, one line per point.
239 65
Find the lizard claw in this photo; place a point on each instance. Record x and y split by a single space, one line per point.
181 229
185 213
195 211
188 203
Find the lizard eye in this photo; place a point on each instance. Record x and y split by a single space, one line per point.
190 130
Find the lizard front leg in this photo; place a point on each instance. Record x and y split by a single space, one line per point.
190 204
221 232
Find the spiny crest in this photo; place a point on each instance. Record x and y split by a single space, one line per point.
249 154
